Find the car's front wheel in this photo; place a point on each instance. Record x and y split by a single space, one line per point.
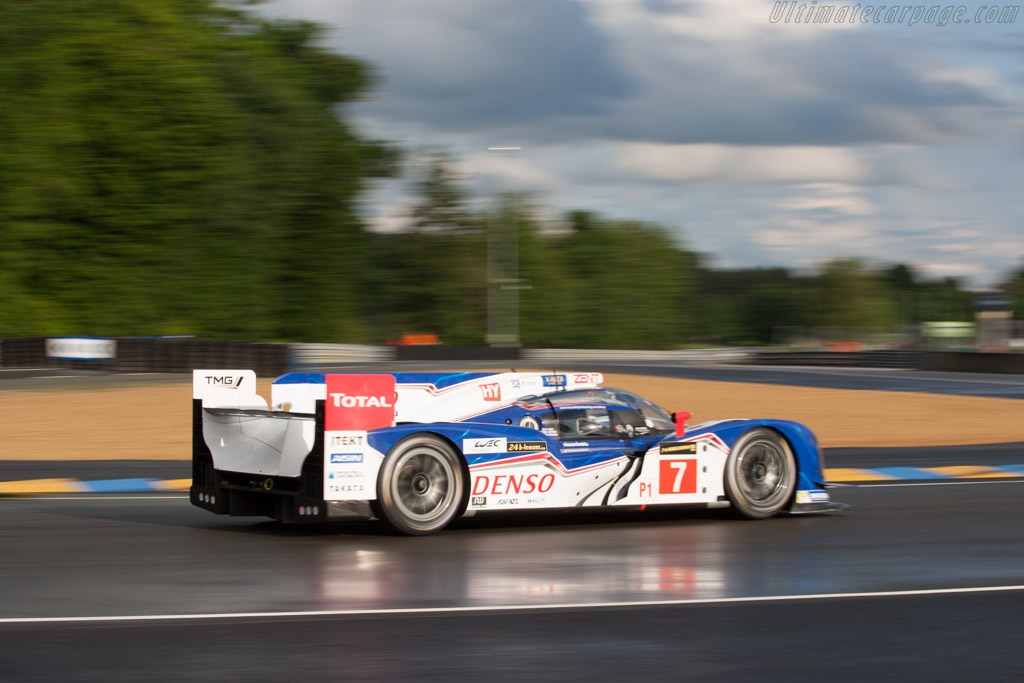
420 485
760 474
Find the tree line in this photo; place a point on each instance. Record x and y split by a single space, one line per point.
187 167
587 281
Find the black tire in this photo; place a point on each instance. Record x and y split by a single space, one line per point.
420 486
760 474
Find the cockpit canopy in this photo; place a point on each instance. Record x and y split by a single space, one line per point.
599 413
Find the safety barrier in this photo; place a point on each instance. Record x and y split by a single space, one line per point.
711 355
942 361
457 353
169 354
308 356
997 363
885 358
161 354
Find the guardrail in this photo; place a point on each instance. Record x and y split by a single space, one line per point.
303 356
997 363
941 361
325 355
910 360
183 355
712 355
155 355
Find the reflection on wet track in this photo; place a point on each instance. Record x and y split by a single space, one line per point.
497 569
136 557
158 558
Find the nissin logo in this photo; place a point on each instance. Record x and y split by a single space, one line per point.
346 457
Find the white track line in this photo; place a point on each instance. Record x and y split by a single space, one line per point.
509 608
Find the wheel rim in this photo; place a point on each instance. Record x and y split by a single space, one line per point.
423 486
763 474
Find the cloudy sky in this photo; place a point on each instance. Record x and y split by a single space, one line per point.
756 140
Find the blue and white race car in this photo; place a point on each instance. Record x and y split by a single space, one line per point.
418 450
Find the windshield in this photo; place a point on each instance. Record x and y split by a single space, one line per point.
607 411
656 419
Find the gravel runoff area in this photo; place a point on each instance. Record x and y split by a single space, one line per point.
154 422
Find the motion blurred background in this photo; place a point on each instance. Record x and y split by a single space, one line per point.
673 174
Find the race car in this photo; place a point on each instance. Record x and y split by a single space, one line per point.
418 450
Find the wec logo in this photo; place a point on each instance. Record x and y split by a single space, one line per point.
483 445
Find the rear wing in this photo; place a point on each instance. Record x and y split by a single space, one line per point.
234 430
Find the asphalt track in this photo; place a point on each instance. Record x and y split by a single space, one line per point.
888 590
1009 456
919 581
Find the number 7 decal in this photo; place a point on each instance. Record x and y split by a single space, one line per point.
681 470
677 476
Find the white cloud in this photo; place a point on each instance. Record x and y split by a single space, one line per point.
514 170
834 197
766 144
713 21
947 269
810 240
972 76
743 164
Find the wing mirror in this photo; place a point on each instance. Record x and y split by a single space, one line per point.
680 421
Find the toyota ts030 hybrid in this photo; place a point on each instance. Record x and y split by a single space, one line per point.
418 450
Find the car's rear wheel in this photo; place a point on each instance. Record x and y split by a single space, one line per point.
420 485
760 474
